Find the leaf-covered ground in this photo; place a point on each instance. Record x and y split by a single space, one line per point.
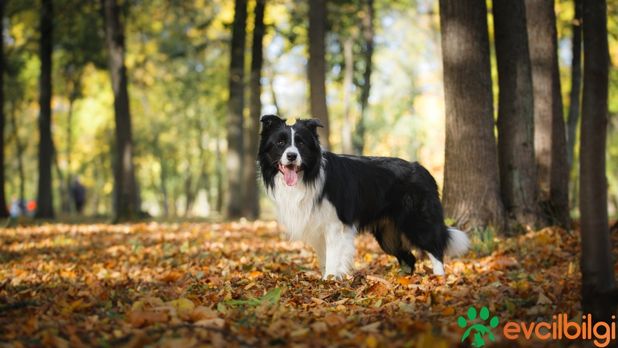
244 284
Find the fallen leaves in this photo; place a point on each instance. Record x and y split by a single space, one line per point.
244 284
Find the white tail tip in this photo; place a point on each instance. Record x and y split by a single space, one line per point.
458 242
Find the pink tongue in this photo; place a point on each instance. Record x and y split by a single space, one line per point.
290 176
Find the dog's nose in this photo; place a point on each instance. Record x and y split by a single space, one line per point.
292 156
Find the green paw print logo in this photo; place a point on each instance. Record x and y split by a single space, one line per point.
482 330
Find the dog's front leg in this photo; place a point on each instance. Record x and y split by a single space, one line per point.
339 240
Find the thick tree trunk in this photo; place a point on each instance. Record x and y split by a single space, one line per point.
348 75
576 75
471 183
44 201
251 205
4 212
368 34
235 122
596 259
126 199
549 133
317 67
515 114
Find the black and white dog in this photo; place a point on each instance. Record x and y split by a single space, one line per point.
324 199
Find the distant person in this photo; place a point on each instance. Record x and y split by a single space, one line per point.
18 208
78 194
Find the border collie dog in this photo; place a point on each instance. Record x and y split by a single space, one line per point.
323 199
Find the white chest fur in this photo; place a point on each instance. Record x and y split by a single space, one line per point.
298 208
315 223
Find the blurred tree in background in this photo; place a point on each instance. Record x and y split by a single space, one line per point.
4 212
44 201
236 104
189 140
126 197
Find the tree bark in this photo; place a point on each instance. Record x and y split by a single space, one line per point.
317 67
235 122
44 206
471 182
596 259
368 38
126 198
19 149
549 134
4 212
576 72
515 114
348 76
251 205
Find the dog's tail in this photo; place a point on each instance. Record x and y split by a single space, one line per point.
458 242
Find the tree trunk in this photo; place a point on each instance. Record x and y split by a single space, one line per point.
596 259
235 122
19 149
4 212
317 67
576 75
251 206
368 34
515 114
471 182
219 177
69 175
44 201
348 75
126 199
549 133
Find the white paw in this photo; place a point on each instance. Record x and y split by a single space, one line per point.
333 276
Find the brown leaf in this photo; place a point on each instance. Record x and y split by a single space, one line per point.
142 318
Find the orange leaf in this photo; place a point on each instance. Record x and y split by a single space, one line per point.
171 277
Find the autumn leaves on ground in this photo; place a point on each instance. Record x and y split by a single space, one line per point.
244 284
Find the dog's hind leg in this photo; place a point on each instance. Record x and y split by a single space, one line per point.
390 240
406 261
436 264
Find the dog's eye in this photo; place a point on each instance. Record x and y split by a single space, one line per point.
300 143
280 143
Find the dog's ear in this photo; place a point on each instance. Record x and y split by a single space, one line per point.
269 121
312 124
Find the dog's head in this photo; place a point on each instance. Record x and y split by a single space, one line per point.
292 151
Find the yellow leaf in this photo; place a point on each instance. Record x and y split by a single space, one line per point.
371 341
184 307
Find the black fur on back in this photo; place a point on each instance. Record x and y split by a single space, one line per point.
389 197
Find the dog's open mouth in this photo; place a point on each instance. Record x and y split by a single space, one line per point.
290 173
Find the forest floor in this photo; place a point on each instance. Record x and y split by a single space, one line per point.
244 284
